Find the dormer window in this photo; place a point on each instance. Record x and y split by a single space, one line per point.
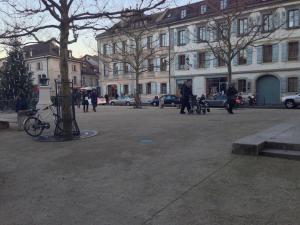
203 9
183 13
223 4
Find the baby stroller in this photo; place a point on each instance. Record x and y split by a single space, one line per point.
198 105
203 105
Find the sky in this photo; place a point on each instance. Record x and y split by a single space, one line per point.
86 43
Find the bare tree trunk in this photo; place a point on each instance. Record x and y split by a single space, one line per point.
64 55
137 93
229 69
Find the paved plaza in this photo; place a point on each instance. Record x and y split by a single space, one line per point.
150 166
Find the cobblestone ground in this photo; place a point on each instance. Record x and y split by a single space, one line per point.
149 166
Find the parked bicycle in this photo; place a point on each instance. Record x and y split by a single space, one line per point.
35 124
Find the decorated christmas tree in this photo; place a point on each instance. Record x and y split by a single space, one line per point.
16 79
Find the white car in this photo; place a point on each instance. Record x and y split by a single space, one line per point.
291 101
122 101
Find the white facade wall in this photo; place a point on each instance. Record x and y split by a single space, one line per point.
280 67
50 68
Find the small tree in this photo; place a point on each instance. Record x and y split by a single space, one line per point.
134 45
16 78
231 30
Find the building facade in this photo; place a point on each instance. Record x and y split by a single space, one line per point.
90 71
269 68
42 60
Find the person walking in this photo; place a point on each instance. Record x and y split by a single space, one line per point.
106 99
186 93
85 101
231 95
94 99
78 99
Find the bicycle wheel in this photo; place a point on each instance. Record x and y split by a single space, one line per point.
33 126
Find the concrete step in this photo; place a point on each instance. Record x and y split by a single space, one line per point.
280 153
282 145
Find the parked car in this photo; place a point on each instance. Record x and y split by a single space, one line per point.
122 101
291 101
172 100
217 101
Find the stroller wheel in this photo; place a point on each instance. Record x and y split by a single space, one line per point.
204 111
208 110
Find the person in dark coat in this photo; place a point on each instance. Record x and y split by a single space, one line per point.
94 99
85 101
106 99
20 103
231 95
186 93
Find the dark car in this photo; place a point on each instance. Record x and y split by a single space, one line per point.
172 100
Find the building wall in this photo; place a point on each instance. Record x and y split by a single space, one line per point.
50 68
279 68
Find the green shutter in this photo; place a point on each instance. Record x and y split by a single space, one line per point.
284 52
249 55
259 54
275 52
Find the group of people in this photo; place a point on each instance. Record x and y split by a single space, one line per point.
187 92
82 98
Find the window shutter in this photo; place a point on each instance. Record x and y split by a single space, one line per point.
187 36
215 62
176 62
195 34
275 52
153 91
284 52
195 60
249 55
283 85
144 91
168 88
259 54
207 59
234 28
121 89
297 17
158 89
167 39
171 38
298 50
206 34
175 37
276 20
157 64
156 40
235 60
283 19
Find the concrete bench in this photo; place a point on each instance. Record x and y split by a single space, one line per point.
4 124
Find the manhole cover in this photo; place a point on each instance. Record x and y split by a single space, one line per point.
146 141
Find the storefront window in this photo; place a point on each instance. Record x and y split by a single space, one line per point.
215 86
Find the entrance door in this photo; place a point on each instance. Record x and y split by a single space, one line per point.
112 90
268 90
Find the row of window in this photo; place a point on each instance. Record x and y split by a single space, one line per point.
39 66
265 54
203 9
269 23
149 88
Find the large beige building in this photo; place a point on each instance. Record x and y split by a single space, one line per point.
42 60
270 68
